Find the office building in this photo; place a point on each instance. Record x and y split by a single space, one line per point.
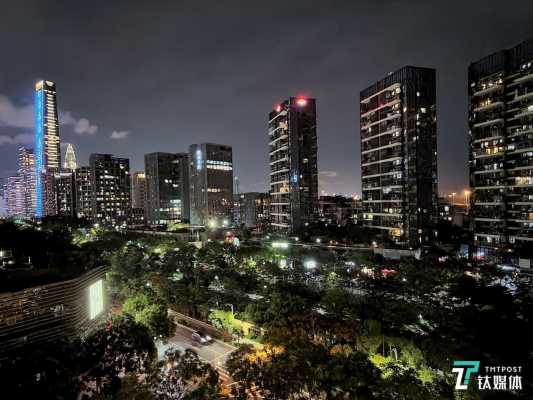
501 150
167 187
47 146
70 158
84 192
111 185
293 164
211 184
399 155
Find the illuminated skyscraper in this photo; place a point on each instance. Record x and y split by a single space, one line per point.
293 164
399 155
211 180
47 148
70 158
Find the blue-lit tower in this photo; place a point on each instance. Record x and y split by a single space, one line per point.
47 150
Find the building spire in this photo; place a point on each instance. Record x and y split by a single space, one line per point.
70 158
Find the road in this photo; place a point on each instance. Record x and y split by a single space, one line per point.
215 353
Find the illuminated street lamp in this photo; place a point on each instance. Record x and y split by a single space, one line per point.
310 264
467 198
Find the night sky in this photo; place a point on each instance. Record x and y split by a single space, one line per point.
136 77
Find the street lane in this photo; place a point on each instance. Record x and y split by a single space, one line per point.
215 353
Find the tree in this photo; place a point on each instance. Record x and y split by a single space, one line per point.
43 372
122 346
182 375
152 315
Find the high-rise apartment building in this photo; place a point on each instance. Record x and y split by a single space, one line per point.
138 190
399 155
47 146
26 173
111 185
500 90
19 190
14 197
253 209
84 192
338 210
70 158
167 187
211 184
293 164
65 193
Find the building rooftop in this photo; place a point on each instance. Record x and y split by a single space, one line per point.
16 279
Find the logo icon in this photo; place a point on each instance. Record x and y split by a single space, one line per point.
464 370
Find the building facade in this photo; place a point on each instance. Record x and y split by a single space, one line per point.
167 188
65 193
26 173
47 146
339 210
501 149
13 197
211 184
111 189
138 190
253 209
293 164
399 155
19 190
84 192
45 313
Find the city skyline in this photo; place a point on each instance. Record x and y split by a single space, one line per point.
277 200
104 120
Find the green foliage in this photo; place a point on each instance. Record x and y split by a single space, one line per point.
152 315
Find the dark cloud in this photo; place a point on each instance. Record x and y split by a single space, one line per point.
182 72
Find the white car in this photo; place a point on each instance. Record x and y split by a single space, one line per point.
201 337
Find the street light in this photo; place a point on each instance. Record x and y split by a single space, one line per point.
467 198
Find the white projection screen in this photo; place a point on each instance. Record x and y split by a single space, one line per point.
96 299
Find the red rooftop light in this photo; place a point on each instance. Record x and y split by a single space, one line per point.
301 102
